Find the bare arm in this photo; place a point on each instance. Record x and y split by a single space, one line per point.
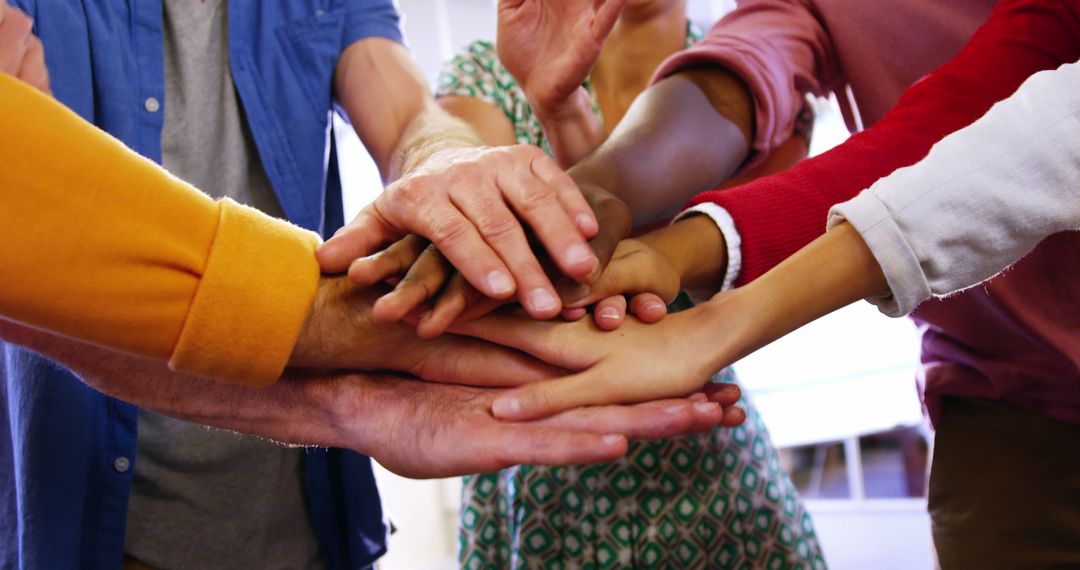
677 355
464 197
417 429
683 135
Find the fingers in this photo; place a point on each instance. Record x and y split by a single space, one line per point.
438 220
359 238
550 397
733 416
634 269
455 298
422 282
390 262
464 361
722 393
555 343
648 308
574 314
501 230
569 195
15 40
614 225
610 313
534 445
653 420
606 16
727 395
33 69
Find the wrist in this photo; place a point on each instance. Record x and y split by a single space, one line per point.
571 108
696 248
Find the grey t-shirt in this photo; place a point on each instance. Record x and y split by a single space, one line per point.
202 497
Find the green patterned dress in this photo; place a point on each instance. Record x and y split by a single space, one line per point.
714 500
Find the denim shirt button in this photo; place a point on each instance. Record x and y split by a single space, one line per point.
122 464
152 105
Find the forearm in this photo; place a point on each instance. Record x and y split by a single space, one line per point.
833 271
573 130
983 198
105 246
695 248
387 99
293 410
683 135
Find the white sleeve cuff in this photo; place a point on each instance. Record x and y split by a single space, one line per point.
726 224
907 281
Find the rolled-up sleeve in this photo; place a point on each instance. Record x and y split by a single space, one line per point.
780 49
105 246
371 19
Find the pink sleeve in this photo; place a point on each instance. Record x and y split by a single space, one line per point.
780 49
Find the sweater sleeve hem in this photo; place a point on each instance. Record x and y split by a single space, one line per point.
255 294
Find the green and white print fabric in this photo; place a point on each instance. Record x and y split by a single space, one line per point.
715 500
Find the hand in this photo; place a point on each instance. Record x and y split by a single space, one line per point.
638 363
550 46
419 429
636 269
415 428
426 275
340 333
21 52
464 200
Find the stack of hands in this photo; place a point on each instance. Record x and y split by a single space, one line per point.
509 365
531 329
458 342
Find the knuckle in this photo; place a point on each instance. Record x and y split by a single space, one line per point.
448 232
497 226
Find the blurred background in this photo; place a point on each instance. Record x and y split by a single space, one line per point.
839 396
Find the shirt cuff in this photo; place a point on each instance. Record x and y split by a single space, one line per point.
907 281
253 299
726 224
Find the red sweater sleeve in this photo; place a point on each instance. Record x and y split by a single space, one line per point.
778 215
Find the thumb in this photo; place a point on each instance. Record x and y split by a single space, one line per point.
362 237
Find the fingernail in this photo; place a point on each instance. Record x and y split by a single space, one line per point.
579 254
585 223
500 283
705 406
506 407
608 313
542 300
654 306
612 439
675 409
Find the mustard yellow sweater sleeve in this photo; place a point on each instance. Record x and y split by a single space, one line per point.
100 244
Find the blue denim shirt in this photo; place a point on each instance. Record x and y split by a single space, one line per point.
66 464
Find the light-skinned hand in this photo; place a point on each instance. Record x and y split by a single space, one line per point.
468 201
426 276
550 46
637 363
